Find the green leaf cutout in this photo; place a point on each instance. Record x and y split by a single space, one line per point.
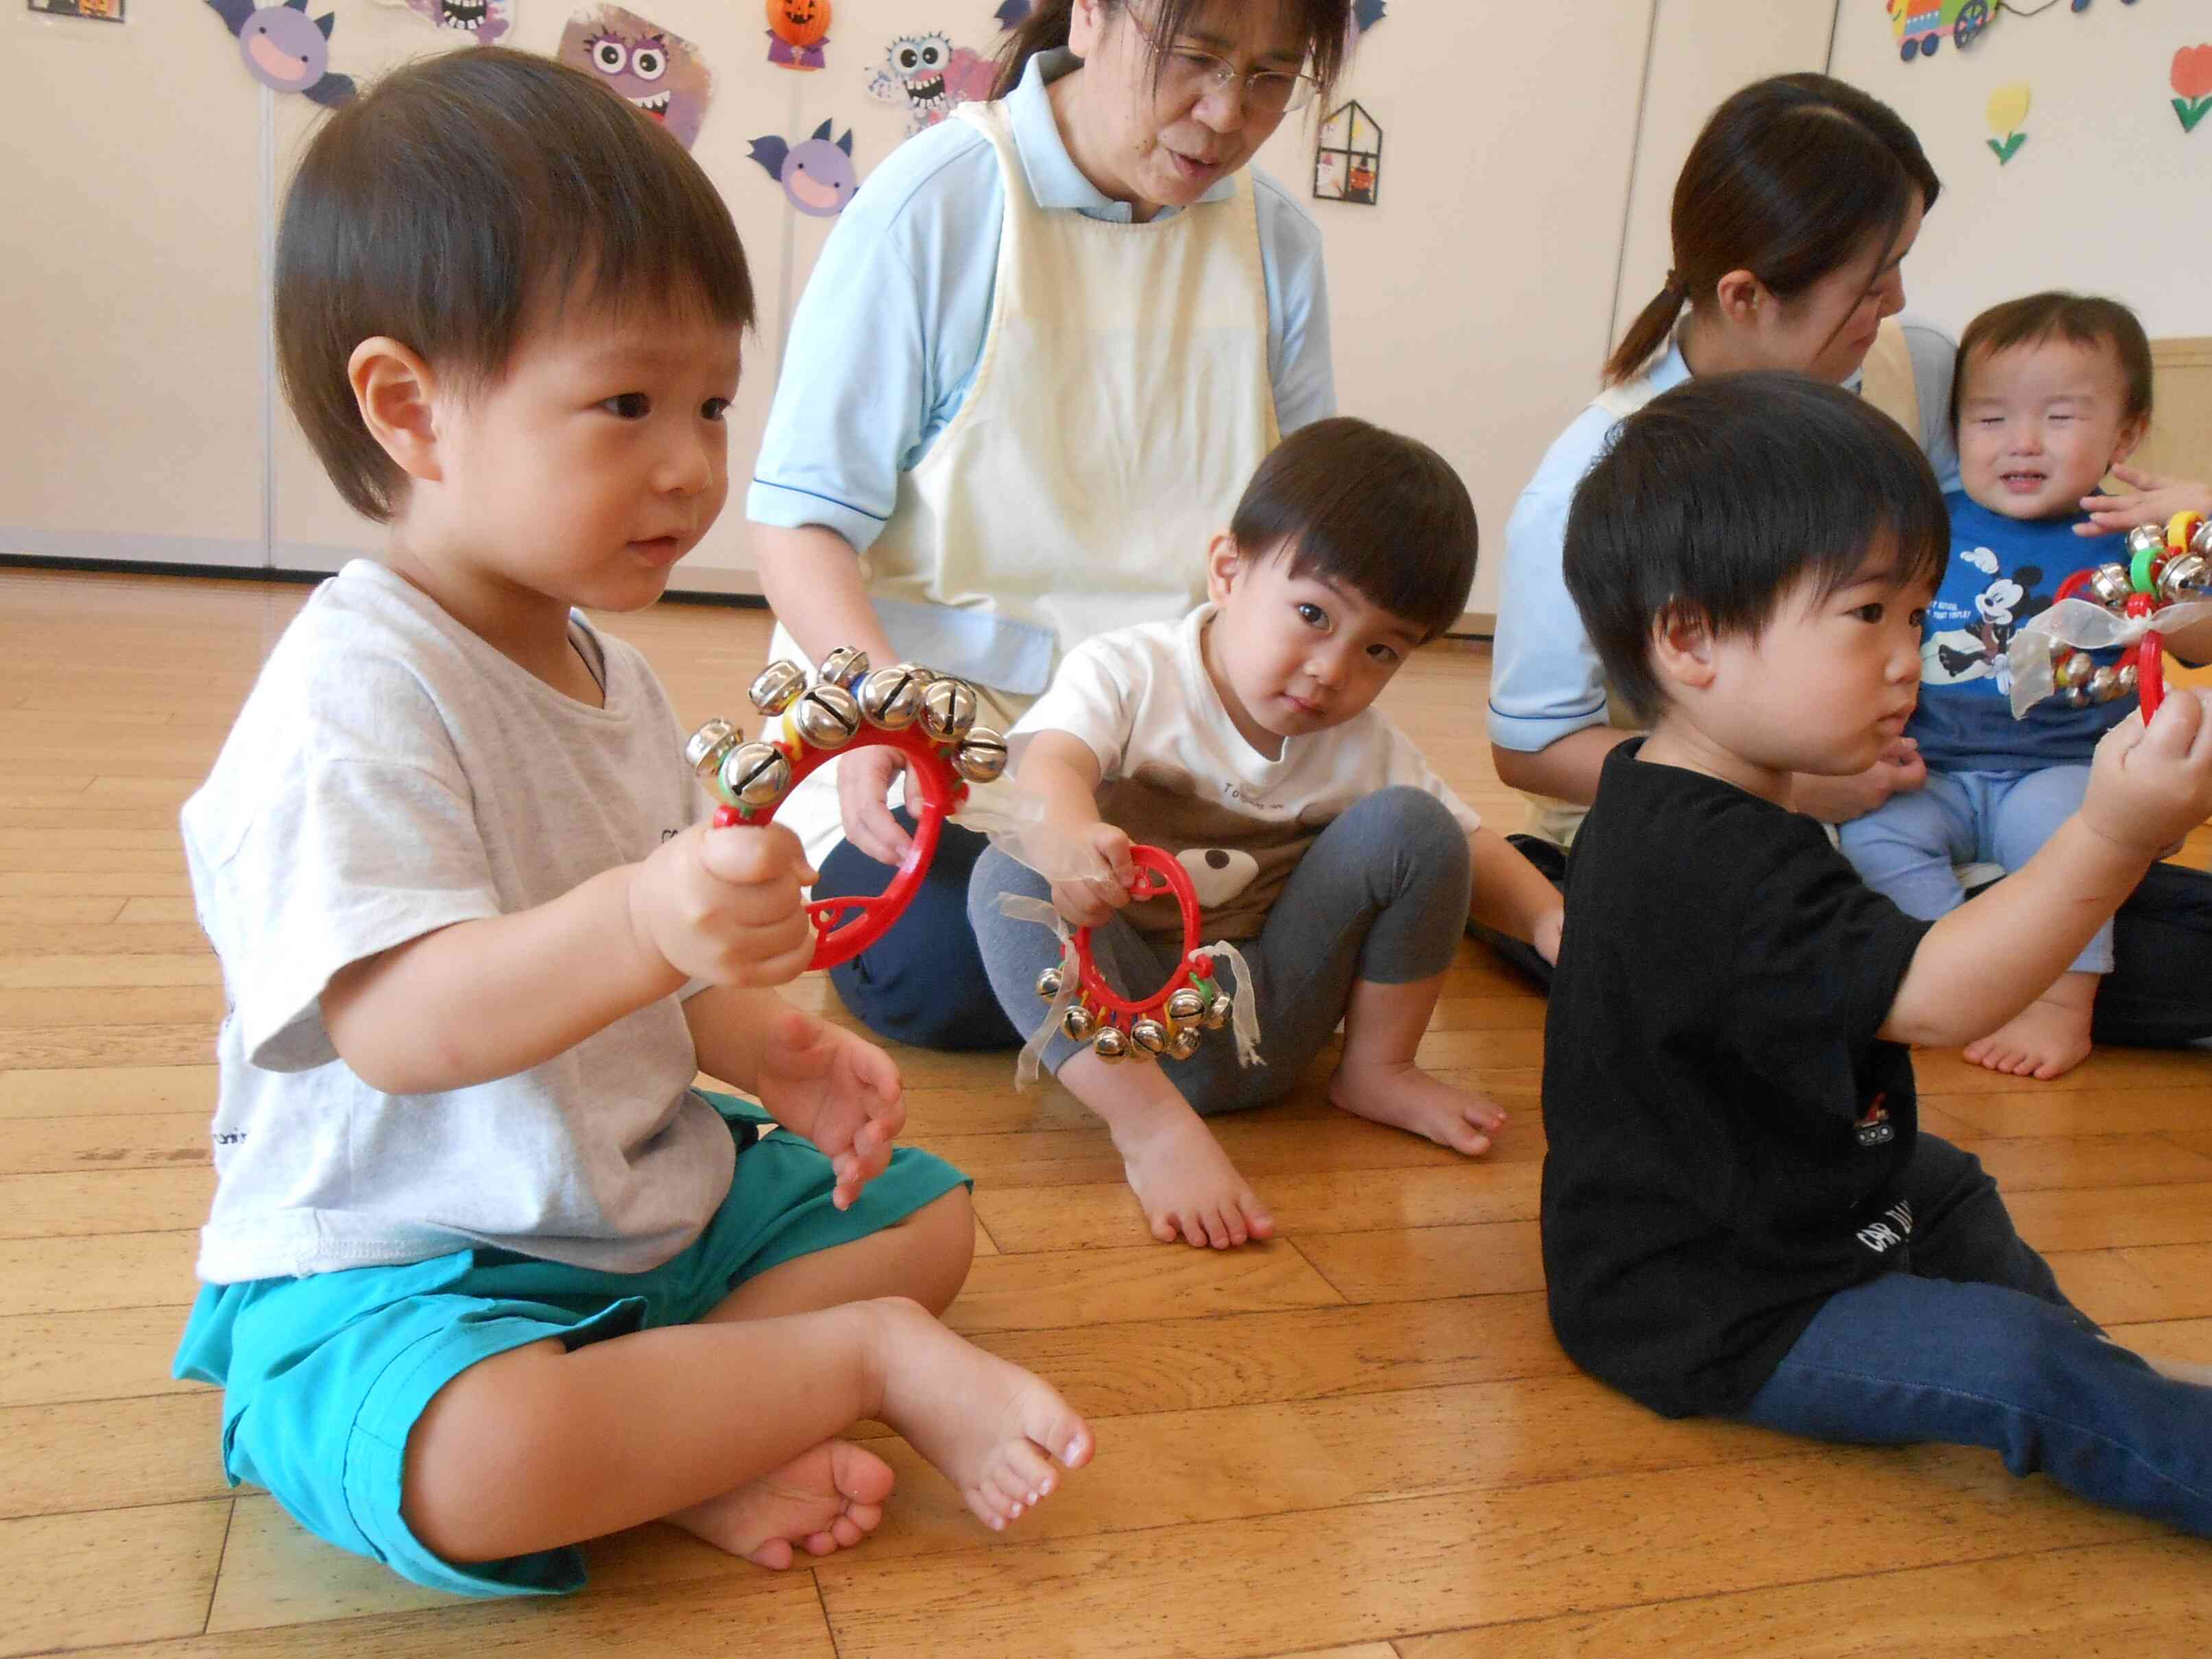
2009 147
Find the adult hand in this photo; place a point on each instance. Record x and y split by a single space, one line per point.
864 786
1839 800
2148 499
725 905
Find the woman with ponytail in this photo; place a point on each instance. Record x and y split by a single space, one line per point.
1039 356
1791 217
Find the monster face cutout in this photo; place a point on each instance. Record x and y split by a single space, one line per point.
481 21
798 30
817 176
928 77
658 71
285 48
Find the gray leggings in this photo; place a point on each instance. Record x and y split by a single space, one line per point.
1382 895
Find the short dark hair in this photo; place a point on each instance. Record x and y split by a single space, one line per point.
2083 319
1378 510
1715 497
454 196
1790 178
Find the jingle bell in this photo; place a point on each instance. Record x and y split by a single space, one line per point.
847 666
948 710
756 775
1048 984
2112 585
1221 1011
2125 677
777 686
826 717
708 746
2187 576
1185 1006
892 697
2076 696
981 755
1184 1043
1080 1023
1110 1045
2202 541
2073 668
1148 1035
2103 685
2146 539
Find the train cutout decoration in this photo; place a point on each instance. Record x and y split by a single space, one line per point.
1922 24
929 718
1170 1023
2167 579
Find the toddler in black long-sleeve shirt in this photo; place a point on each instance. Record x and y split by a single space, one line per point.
1741 1216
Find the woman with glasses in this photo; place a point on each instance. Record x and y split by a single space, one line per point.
1038 358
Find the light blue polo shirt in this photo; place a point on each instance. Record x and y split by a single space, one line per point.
1545 682
885 340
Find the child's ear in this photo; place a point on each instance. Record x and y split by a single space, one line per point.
1681 647
2132 431
393 389
1225 563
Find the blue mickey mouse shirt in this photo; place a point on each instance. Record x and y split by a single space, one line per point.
2001 574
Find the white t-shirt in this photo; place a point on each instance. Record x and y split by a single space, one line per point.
392 774
1176 773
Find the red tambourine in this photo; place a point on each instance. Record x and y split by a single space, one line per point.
1169 1022
928 718
2165 563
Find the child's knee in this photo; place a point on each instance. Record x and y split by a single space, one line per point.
1415 822
939 1240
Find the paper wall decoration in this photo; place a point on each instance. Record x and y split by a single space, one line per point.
2008 109
1921 26
798 30
98 12
2191 80
817 175
482 20
284 49
655 68
1348 157
928 77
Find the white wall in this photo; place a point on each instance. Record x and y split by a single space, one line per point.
2108 195
1472 307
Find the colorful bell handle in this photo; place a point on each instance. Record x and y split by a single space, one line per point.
1164 874
872 917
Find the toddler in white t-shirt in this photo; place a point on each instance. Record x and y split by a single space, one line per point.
1243 740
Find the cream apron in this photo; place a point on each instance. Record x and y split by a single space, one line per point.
1121 403
1886 382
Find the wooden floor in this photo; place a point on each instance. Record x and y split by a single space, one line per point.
1360 1439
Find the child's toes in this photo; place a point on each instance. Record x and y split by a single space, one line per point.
774 1555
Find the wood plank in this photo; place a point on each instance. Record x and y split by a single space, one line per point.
82 1274
43 1047
1403 1266
1047 1289
2072 1219
77 1202
1312 1201
108 1006
1368 1571
2090 1111
125 1575
2131 1286
19 973
2103 1161
109 1092
2151 1596
109 1353
137 1141
112 1454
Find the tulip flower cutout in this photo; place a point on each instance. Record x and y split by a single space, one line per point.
2008 109
2192 80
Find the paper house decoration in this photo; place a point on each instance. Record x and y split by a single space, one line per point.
1348 159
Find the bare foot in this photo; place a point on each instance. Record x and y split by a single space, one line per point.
825 1499
1407 1097
2046 1039
990 1427
1185 1182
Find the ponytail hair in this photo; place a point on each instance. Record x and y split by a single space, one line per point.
1791 177
1325 26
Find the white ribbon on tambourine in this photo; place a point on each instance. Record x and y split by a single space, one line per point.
1015 822
2085 627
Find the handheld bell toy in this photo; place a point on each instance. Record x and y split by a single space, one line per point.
2167 579
929 718
1169 1023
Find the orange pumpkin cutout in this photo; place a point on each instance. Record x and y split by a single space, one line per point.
799 28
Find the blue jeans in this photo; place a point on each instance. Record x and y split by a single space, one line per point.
1975 1346
1907 847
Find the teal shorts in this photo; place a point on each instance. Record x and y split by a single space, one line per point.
323 1377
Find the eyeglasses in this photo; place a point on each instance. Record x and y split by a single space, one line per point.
1190 73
